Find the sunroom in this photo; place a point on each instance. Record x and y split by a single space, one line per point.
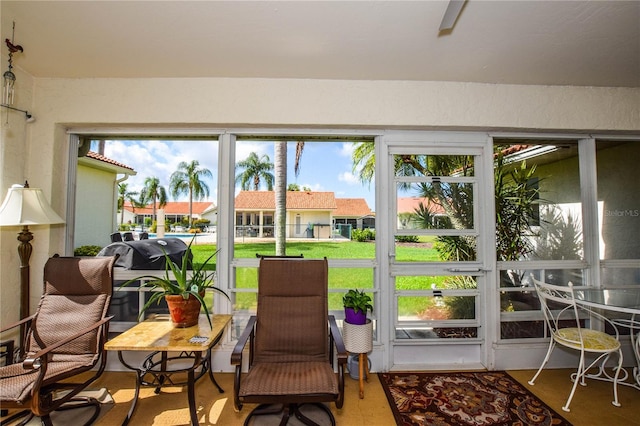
577 131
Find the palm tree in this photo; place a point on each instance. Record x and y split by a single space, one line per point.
186 180
123 196
280 151
154 192
514 198
255 170
364 161
281 191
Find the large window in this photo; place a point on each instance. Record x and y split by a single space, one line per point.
126 186
329 211
555 241
618 214
325 194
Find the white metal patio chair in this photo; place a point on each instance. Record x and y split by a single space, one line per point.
566 322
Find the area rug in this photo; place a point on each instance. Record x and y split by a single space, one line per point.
464 398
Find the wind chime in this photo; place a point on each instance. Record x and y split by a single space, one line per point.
8 91
9 79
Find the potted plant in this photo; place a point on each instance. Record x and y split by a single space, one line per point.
356 304
183 292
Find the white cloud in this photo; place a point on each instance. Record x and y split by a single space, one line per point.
346 149
154 158
349 178
316 187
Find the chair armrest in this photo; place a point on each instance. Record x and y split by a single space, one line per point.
33 361
236 355
337 340
16 324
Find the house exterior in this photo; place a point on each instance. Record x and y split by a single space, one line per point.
309 213
408 206
174 212
97 198
354 212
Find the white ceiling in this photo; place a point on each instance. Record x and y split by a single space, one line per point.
583 43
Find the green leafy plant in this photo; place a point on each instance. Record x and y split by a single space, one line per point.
178 281
363 235
357 300
87 251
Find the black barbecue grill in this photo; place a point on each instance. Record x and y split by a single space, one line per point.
146 254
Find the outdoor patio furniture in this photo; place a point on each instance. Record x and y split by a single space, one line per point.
291 342
65 337
566 320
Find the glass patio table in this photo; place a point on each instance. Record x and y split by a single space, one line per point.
625 300
192 347
618 300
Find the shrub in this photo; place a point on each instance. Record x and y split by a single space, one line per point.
87 250
407 239
362 235
200 224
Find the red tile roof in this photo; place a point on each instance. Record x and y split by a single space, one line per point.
356 207
410 204
173 207
296 200
104 159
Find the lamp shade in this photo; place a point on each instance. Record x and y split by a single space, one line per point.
27 206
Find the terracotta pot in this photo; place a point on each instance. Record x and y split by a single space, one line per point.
184 312
353 317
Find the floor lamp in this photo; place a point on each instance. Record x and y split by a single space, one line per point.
24 206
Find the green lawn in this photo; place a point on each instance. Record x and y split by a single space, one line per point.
339 278
337 250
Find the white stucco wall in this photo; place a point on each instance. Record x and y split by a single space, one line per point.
95 207
62 103
128 217
13 159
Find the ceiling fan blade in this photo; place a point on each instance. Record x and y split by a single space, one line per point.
451 14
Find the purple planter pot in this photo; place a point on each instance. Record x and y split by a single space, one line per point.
353 317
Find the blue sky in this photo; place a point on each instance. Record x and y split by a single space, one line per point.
325 166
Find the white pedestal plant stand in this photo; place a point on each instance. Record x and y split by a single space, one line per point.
358 339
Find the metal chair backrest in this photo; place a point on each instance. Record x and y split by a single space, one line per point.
558 304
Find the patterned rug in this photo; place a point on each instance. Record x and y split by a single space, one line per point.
469 398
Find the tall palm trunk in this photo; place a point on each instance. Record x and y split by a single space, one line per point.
190 207
153 217
281 197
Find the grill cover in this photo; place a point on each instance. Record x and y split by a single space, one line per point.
146 254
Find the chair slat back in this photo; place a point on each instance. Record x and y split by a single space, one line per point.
77 292
292 313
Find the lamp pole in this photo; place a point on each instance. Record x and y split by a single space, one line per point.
24 252
24 206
